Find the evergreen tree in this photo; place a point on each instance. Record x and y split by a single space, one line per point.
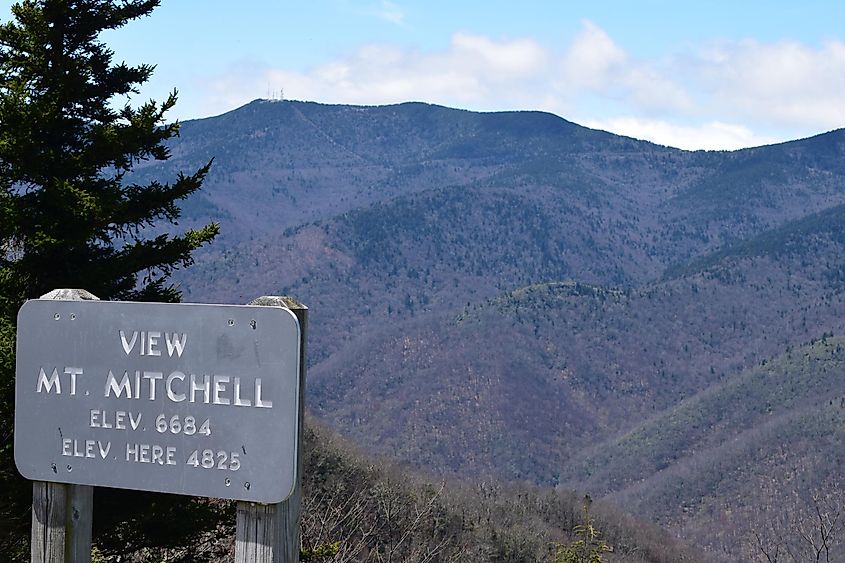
589 547
70 216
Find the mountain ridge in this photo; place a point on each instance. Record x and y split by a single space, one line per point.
495 294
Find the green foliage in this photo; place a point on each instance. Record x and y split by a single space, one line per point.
588 548
318 552
68 215
17 494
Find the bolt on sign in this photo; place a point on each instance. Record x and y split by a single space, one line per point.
191 399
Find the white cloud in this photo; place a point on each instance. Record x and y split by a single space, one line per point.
786 83
654 92
593 59
736 93
501 59
594 63
389 12
475 71
714 135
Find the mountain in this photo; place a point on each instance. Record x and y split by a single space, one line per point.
511 294
417 220
772 433
531 376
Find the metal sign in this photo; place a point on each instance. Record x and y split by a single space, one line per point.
177 398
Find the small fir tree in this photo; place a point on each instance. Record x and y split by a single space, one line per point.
589 547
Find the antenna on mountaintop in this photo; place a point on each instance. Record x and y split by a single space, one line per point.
275 95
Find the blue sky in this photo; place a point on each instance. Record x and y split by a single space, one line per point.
709 74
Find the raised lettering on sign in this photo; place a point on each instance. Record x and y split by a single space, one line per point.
115 419
85 448
149 344
179 387
53 383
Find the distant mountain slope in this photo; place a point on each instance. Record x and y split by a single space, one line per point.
797 237
283 164
294 162
733 458
388 209
433 247
516 385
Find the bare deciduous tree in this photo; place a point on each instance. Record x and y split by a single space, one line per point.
813 534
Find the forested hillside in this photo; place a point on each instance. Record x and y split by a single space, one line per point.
361 508
512 294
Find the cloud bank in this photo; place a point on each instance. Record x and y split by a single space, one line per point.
723 95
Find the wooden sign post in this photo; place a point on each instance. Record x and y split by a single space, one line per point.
62 513
269 533
192 399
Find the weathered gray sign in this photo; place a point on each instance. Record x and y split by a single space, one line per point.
191 399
